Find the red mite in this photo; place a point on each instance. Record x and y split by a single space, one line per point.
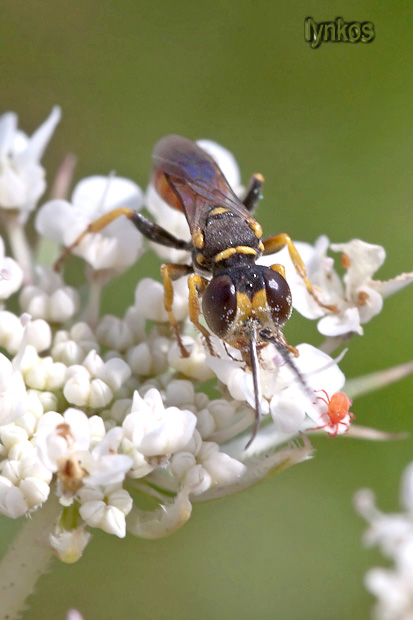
338 408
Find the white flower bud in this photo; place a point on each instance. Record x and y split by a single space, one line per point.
205 423
195 443
11 470
50 299
100 394
120 408
63 304
11 331
222 411
13 396
48 401
149 300
159 352
222 468
22 450
107 513
28 421
11 274
201 400
198 480
114 333
114 373
79 390
43 374
12 501
180 393
181 463
72 347
97 429
136 323
11 434
39 335
140 466
139 359
35 491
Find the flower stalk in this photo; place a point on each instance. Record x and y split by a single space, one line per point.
27 559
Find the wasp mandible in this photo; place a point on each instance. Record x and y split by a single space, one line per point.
244 304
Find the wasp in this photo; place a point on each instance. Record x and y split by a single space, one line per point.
246 305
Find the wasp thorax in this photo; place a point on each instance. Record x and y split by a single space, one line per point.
240 294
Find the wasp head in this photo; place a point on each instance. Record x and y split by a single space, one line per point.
247 299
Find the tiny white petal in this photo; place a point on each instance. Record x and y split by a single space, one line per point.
287 413
69 545
158 431
338 324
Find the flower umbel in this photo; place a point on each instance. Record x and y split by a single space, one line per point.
97 411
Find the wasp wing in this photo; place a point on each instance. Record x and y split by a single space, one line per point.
187 178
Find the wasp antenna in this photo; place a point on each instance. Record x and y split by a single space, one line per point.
257 392
268 337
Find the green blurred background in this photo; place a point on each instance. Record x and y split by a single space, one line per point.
330 129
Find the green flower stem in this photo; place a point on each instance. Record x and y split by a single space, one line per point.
19 245
376 380
26 560
93 304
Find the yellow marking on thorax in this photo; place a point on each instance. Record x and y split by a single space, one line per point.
256 228
200 258
198 239
240 249
218 211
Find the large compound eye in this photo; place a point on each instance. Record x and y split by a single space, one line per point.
219 304
278 296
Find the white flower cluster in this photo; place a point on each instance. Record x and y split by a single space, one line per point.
393 534
100 410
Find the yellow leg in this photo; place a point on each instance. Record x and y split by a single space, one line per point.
169 273
94 227
197 285
278 242
152 231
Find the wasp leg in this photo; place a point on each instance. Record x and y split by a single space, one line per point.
146 227
158 234
169 273
197 284
278 242
253 192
